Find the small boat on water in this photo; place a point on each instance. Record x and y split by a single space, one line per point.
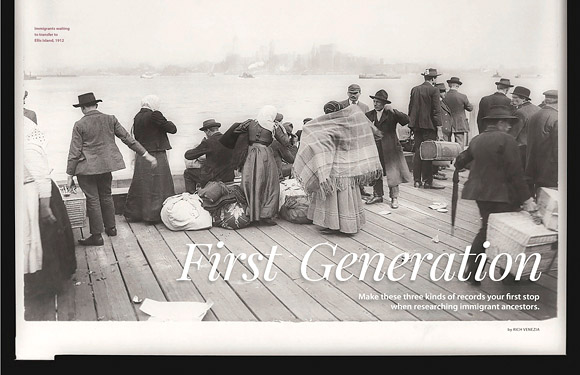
148 76
30 77
527 75
378 76
246 75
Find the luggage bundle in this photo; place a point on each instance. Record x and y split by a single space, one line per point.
226 204
294 202
185 212
439 150
516 233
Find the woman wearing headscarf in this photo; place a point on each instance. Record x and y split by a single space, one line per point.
150 186
337 155
49 248
260 172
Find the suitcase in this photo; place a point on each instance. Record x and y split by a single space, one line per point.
439 150
515 233
547 202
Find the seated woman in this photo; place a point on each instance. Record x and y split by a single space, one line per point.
337 154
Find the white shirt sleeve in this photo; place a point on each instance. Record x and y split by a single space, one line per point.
36 163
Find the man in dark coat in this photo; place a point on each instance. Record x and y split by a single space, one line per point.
496 178
524 109
542 150
390 149
353 93
445 131
458 104
92 156
425 118
497 98
218 159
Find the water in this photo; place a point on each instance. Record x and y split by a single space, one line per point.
188 100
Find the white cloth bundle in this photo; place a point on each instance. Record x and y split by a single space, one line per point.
185 212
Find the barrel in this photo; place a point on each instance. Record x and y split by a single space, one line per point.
439 150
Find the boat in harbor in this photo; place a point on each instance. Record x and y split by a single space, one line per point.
527 75
147 76
30 77
378 76
246 75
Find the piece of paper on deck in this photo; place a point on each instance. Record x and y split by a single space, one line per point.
175 311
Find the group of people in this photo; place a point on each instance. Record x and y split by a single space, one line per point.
333 157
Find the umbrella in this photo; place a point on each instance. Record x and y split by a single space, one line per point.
454 197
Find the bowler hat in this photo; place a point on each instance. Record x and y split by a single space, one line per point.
499 112
454 80
211 123
430 72
354 88
551 94
441 87
382 96
522 91
279 117
87 99
504 82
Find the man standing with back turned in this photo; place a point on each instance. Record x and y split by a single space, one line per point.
425 117
458 104
92 156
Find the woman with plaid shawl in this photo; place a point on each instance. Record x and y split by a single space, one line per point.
337 155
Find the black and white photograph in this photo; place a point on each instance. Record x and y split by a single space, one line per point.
380 177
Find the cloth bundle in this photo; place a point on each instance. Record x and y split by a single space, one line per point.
337 151
185 212
226 204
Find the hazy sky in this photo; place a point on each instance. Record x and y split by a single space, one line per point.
461 33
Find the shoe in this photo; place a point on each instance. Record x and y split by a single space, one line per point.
268 222
374 200
432 186
439 176
394 203
93 240
111 232
364 193
417 184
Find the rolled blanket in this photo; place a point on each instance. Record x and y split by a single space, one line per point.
337 151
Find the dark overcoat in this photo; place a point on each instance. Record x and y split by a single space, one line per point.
425 107
497 98
496 172
218 159
150 128
520 129
458 104
395 167
542 150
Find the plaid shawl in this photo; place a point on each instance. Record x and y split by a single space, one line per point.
337 151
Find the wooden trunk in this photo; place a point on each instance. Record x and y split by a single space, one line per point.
548 207
439 150
515 233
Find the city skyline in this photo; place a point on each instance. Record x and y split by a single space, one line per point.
454 33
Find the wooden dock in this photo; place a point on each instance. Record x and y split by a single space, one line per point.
145 261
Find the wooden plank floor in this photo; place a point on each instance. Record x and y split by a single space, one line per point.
145 261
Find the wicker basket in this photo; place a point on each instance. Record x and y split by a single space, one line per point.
76 208
515 233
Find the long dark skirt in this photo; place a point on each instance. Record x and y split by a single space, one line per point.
58 252
260 182
149 189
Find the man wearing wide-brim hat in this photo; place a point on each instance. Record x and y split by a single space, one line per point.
425 119
524 109
542 150
218 159
496 178
458 104
497 98
393 161
93 155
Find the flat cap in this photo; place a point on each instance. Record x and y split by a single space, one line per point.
354 88
551 93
